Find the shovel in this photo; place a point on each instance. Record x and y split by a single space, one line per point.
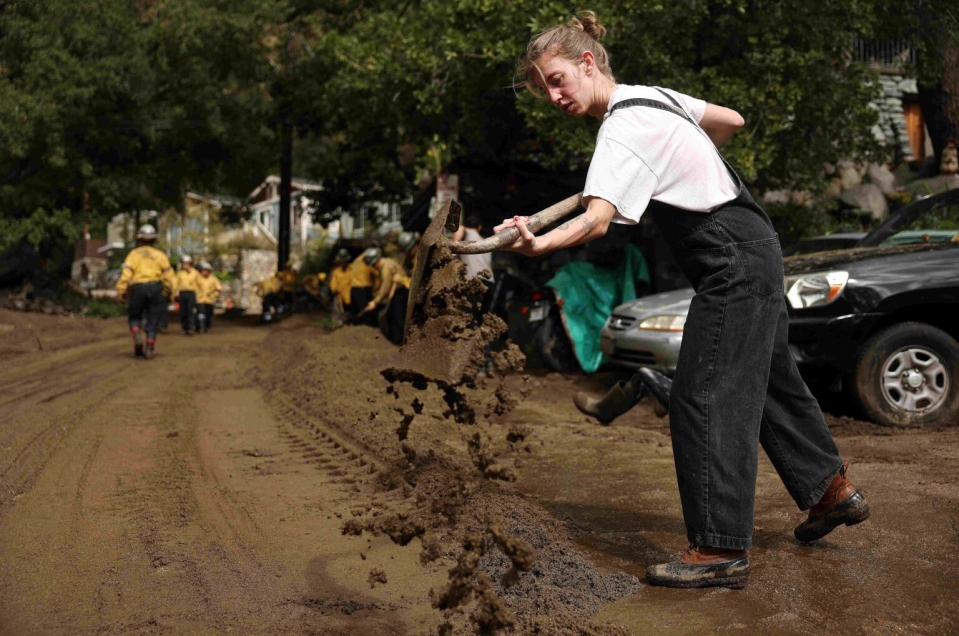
449 218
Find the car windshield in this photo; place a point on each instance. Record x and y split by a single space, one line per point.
933 220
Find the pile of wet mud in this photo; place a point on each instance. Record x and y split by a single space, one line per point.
24 332
523 572
435 415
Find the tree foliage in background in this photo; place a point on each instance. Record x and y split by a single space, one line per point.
114 105
400 81
109 106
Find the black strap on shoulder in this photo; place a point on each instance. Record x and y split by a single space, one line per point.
678 110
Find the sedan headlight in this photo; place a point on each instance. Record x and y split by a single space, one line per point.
815 289
663 323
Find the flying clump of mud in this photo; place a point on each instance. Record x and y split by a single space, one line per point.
453 346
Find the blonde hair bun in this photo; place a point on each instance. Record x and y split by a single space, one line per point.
569 41
589 24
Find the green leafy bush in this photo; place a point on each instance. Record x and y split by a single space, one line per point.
103 308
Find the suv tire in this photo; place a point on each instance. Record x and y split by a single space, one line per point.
910 356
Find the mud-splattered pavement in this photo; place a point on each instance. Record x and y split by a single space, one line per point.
255 480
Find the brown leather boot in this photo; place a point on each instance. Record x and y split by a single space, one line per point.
703 566
841 504
619 399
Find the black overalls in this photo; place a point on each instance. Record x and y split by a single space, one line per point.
736 384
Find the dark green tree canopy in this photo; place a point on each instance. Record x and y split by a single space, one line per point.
113 105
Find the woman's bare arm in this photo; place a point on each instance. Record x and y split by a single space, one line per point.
720 123
586 227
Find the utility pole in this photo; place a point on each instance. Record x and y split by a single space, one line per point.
286 182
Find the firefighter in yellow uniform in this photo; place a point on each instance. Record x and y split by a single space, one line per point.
186 294
341 281
392 293
207 291
317 295
361 292
270 290
145 284
409 244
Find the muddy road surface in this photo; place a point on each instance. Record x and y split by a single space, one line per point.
272 480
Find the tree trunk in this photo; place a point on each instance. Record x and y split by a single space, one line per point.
940 104
286 182
935 101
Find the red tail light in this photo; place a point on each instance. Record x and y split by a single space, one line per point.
537 296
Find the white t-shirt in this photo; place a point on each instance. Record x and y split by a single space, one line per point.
644 153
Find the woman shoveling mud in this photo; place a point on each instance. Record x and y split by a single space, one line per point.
736 384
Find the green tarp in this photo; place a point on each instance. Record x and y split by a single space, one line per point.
589 294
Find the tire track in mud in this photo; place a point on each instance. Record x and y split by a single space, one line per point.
187 529
345 462
31 459
31 413
118 509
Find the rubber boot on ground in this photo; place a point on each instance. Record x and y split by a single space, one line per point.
619 399
703 567
659 386
840 505
137 334
149 349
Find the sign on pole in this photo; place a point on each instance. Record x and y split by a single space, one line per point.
447 189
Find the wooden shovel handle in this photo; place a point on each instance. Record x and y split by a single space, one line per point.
508 236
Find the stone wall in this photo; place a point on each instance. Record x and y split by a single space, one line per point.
252 267
891 127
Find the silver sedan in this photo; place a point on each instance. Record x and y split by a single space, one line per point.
647 332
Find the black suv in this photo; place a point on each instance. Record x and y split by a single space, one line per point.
882 318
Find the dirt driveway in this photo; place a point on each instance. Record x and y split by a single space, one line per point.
252 480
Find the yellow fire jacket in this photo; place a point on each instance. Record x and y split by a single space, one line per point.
288 278
271 285
389 272
186 280
341 282
362 273
207 289
146 264
311 285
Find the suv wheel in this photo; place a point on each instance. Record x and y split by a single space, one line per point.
908 375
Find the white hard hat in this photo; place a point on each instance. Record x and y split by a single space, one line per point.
147 232
186 259
205 265
407 240
371 255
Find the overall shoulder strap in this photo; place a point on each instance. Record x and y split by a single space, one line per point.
675 109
